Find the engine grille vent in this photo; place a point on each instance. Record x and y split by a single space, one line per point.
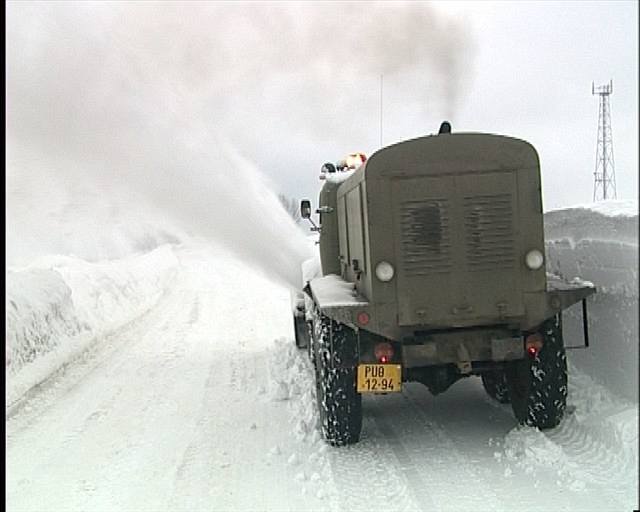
489 232
426 245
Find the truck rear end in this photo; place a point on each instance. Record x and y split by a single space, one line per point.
440 242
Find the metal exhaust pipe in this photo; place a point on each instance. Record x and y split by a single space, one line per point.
445 127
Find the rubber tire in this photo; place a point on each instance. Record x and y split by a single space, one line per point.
495 384
310 348
538 387
339 404
300 331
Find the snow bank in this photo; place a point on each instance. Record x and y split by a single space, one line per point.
40 313
59 305
600 244
113 292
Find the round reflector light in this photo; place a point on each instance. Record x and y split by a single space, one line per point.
384 271
363 318
534 259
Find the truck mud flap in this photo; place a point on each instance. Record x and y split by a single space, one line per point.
585 327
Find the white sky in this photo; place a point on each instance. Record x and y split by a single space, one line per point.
532 79
293 85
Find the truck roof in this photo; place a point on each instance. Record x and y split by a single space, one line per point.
451 154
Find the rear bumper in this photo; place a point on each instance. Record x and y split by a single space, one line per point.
338 299
559 296
462 346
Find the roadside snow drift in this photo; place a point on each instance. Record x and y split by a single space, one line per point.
59 305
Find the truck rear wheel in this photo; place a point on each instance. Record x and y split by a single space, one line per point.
310 347
538 387
300 330
339 404
495 384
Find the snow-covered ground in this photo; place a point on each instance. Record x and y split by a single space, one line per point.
169 380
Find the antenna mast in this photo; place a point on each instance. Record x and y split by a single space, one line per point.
604 177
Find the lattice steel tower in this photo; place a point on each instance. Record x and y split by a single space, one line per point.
604 177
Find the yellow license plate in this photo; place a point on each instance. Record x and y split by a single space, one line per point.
379 378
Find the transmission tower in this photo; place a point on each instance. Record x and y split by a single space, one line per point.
604 177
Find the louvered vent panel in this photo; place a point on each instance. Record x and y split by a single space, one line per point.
489 232
426 244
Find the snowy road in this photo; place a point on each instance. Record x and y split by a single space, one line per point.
203 403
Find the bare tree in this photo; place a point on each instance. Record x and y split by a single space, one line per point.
290 204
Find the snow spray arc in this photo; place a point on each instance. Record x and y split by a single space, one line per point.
134 142
130 94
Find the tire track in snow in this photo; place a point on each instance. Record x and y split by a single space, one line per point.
372 464
432 461
130 341
194 485
193 469
591 461
226 462
574 457
417 485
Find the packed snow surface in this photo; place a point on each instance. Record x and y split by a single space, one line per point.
172 382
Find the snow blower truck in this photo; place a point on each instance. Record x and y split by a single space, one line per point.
432 269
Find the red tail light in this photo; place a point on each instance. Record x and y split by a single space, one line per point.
383 352
533 344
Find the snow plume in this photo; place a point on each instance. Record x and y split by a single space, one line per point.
92 127
212 193
124 104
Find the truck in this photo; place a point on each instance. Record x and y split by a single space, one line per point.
432 269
